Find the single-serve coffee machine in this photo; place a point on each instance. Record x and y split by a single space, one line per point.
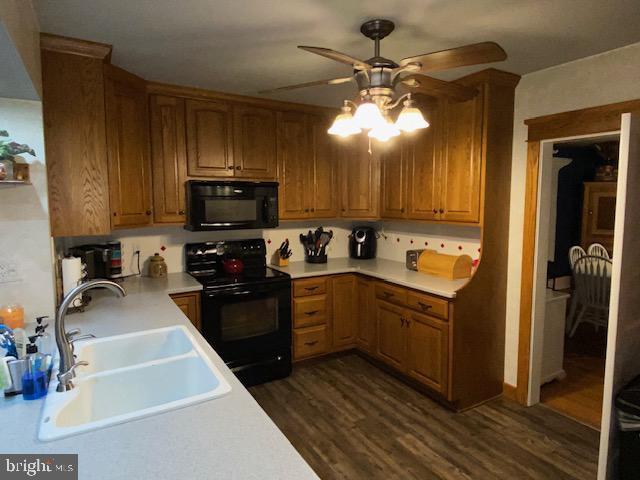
101 261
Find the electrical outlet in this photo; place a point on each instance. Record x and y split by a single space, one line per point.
9 272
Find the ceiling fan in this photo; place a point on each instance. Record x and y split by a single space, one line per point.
381 82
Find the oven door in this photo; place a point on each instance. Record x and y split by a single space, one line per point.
245 321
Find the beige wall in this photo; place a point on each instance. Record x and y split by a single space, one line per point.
610 77
20 21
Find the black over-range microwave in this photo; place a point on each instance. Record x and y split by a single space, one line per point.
226 205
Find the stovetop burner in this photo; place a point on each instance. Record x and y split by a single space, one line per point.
204 262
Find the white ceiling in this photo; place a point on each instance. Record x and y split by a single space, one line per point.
243 46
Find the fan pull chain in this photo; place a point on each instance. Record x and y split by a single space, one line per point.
369 146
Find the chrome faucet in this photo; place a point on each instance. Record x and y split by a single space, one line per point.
64 340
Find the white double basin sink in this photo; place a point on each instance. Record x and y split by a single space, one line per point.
128 377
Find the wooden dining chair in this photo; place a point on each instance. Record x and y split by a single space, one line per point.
575 253
597 250
592 281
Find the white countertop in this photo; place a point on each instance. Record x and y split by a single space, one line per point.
388 270
226 438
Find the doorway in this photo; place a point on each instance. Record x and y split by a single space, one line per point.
575 219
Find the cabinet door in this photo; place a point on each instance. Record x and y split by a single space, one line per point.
189 303
598 214
360 179
461 163
428 351
324 184
392 340
423 159
393 179
73 111
343 289
168 158
254 154
130 194
366 314
294 165
209 139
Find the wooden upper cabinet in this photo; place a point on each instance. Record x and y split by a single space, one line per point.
294 165
423 165
209 139
74 130
324 180
168 158
393 179
461 164
392 338
428 351
360 179
343 290
128 149
254 132
599 214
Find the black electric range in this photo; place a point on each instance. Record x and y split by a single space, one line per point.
246 317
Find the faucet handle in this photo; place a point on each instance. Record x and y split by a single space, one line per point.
72 333
65 377
81 337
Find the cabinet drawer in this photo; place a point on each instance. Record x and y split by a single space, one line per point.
310 341
309 311
309 286
427 304
391 294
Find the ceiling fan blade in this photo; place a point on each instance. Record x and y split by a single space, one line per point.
438 88
485 52
331 81
337 56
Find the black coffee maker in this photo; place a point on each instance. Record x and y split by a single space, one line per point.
362 243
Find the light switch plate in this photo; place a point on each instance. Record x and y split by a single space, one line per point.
9 272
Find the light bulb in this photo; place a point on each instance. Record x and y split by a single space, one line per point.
384 131
368 116
344 124
410 118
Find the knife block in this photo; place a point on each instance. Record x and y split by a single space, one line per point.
279 261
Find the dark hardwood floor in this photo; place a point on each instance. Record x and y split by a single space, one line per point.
350 420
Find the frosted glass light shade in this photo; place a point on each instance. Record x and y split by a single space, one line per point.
410 120
368 116
383 132
344 125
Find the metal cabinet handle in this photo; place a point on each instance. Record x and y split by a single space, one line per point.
312 312
387 294
424 306
230 167
402 210
435 210
181 212
310 289
407 322
401 322
306 210
148 212
311 344
238 167
442 210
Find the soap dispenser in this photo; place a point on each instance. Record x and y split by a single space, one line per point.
44 341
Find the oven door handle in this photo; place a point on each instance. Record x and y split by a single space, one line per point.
229 294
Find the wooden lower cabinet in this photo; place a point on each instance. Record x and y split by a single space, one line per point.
343 311
392 338
365 313
412 342
428 351
189 303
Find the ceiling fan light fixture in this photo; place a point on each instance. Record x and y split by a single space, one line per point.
368 116
384 131
344 125
410 118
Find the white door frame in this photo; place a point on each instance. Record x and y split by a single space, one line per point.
538 307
